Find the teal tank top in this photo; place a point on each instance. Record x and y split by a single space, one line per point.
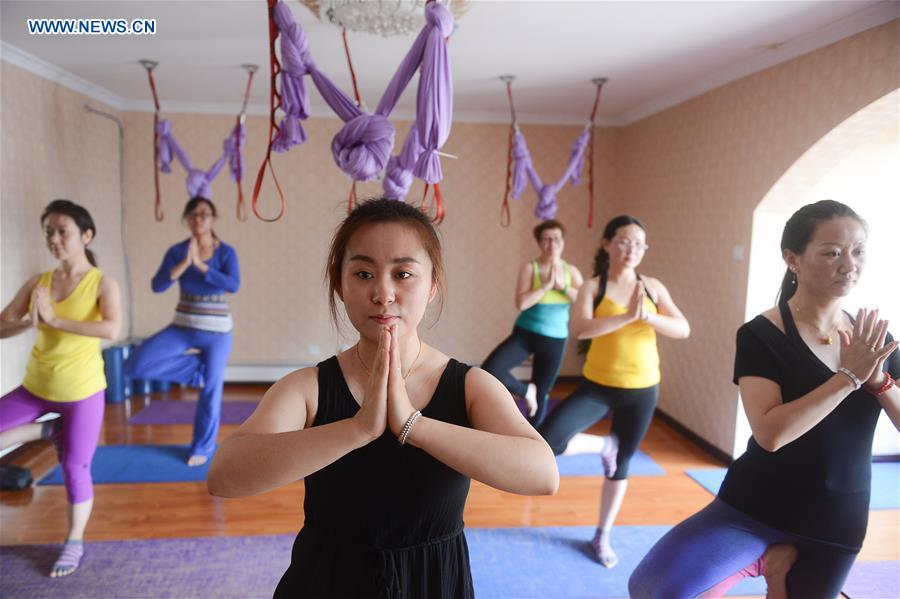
550 316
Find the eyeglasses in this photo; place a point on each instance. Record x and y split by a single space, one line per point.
199 215
625 245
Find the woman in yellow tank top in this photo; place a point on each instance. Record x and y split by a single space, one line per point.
620 312
72 307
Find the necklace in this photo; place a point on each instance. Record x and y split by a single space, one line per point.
408 372
825 338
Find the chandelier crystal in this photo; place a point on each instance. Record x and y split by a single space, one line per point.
387 18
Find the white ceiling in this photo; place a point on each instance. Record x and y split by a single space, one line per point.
655 54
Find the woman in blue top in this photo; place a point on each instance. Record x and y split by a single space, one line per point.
206 269
546 288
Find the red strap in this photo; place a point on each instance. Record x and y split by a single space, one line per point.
351 198
241 208
590 218
157 205
274 104
505 216
439 212
350 64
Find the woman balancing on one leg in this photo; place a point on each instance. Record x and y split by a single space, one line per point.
545 289
206 269
386 434
621 312
72 306
813 382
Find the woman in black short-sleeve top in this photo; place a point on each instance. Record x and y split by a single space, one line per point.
813 382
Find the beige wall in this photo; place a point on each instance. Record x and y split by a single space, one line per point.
281 314
696 172
51 148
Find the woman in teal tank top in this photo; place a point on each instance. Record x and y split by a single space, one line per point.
546 288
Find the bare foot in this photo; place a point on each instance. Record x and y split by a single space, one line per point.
197 460
779 560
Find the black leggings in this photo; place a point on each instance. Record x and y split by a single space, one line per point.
632 413
548 354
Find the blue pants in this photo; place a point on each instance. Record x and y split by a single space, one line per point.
548 356
718 541
162 358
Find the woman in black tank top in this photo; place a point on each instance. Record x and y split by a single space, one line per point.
387 434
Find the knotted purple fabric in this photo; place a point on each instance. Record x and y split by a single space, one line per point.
362 148
523 171
198 181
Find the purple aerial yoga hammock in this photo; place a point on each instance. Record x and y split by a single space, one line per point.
198 181
362 148
521 170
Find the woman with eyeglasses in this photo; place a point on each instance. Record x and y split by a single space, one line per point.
206 269
620 312
546 288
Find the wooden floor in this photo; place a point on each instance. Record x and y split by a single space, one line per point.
139 511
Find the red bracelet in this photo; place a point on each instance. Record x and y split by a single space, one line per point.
887 384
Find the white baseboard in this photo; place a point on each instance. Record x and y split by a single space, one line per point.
259 373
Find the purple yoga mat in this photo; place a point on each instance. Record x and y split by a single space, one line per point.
873 580
222 567
166 411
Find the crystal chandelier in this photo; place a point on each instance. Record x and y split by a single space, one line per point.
387 18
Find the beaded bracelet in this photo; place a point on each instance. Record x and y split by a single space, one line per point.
887 384
856 382
404 433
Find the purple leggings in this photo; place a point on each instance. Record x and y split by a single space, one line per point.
718 541
78 433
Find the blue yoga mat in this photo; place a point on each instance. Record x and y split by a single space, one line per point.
885 483
558 562
138 464
590 464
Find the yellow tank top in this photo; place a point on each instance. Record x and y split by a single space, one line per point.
626 358
65 366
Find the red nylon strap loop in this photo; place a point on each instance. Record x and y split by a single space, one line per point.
439 211
274 104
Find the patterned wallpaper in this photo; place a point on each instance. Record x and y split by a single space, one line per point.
51 148
281 314
696 172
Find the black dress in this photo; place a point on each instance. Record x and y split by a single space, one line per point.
818 485
384 520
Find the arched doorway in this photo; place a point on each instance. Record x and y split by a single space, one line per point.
857 163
